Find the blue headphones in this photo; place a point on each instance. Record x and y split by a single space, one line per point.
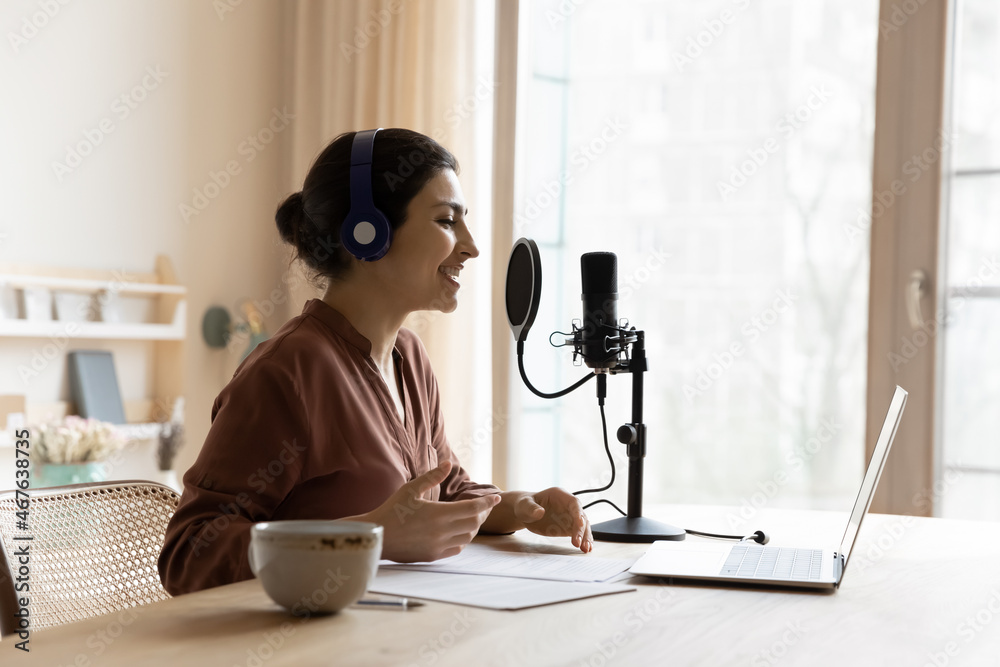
366 232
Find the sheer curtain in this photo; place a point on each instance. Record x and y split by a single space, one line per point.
412 63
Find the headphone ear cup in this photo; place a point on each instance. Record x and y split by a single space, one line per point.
365 232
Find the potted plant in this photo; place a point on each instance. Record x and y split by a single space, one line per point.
74 450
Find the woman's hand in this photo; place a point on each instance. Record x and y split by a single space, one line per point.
555 512
417 530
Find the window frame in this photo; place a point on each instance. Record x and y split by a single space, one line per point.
910 115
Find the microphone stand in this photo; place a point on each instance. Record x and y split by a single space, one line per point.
633 527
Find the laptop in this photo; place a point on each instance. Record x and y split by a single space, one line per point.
750 563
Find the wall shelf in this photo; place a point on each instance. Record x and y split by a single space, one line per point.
165 330
67 284
176 330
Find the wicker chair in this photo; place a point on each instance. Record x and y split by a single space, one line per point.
94 550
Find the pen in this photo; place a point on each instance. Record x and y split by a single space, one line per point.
399 603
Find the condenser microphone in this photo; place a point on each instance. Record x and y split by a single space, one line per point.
598 337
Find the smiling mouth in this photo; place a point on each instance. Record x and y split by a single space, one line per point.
451 274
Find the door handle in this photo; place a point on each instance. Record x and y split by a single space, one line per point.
916 289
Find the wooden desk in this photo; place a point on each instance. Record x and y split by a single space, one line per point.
917 591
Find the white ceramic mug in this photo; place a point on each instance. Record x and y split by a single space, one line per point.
313 567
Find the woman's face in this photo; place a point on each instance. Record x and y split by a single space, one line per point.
422 268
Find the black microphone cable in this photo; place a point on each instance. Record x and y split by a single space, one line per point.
602 384
758 536
536 392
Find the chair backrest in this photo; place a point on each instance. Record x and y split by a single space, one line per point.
93 550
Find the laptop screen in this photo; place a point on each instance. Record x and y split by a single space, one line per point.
874 471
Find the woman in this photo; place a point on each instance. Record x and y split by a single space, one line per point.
338 415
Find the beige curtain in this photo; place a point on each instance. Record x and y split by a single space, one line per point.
394 63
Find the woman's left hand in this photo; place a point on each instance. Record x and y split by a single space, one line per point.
555 512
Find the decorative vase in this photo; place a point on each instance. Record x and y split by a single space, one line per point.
169 478
60 474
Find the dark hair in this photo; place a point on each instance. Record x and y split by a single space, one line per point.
403 161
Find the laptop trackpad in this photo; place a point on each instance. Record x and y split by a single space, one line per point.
682 559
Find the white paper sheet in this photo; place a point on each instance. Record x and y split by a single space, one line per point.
483 560
485 591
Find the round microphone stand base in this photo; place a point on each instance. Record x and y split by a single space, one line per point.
635 529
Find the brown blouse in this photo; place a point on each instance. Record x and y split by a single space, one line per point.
306 429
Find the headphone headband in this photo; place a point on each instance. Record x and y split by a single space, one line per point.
363 147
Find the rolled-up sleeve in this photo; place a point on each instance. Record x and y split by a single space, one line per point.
252 458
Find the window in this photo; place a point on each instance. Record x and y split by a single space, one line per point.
970 475
723 151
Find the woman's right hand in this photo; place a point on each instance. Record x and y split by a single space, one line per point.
419 530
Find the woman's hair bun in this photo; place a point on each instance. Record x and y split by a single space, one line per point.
289 216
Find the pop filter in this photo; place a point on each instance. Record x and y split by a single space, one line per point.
524 287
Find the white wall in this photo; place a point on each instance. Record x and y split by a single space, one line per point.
220 78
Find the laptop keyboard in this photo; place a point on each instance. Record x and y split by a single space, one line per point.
759 562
